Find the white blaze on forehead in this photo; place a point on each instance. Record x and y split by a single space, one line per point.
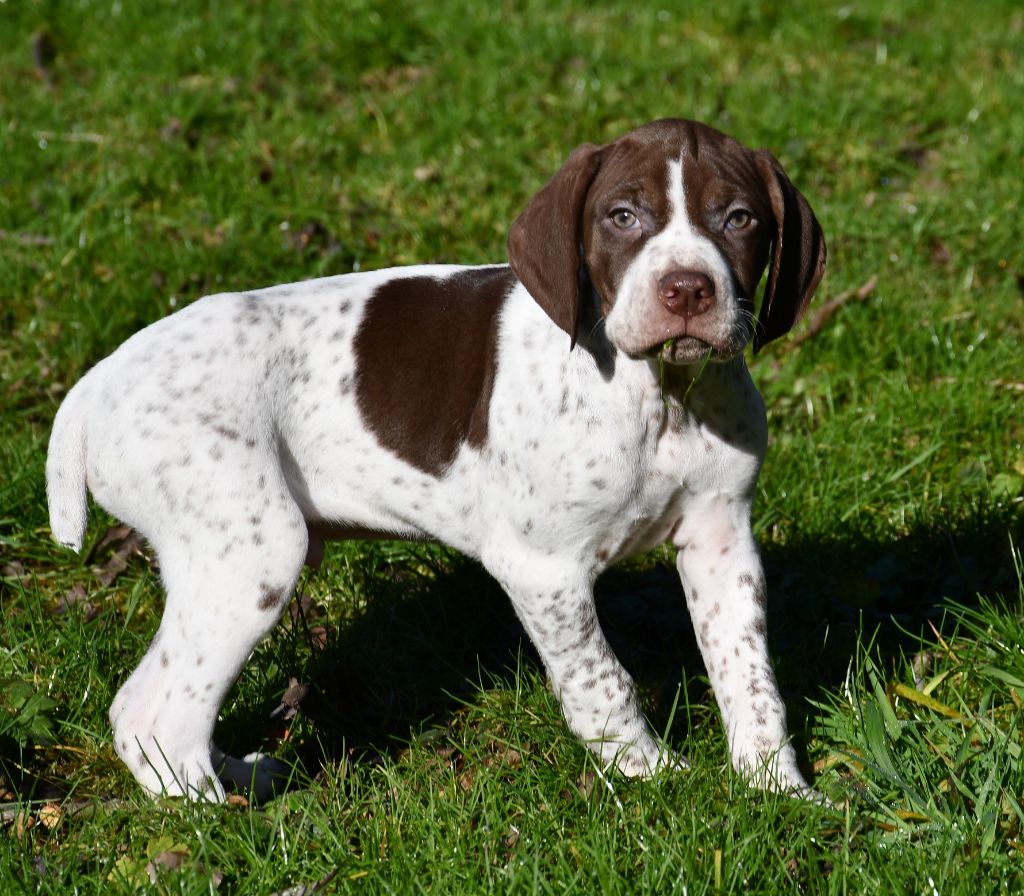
680 243
677 198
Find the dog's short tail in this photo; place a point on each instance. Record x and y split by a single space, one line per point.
65 469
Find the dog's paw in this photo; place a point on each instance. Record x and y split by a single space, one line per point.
778 772
642 759
188 775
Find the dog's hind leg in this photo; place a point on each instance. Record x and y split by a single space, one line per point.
228 580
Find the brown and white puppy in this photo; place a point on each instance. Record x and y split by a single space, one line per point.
549 417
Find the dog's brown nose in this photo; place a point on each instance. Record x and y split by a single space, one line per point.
686 293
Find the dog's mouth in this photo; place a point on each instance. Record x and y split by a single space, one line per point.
691 350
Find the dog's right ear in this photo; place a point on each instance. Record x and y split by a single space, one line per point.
544 242
798 255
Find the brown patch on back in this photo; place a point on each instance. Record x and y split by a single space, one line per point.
426 355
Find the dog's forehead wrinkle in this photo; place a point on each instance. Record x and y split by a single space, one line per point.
700 156
629 165
629 189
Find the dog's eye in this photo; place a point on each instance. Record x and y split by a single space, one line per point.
624 219
739 219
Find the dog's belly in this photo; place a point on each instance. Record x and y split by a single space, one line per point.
346 493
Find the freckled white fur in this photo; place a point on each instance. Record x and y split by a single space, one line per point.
222 432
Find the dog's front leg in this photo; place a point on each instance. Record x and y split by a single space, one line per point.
597 695
721 573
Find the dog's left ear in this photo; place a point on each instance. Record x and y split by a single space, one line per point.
544 242
798 255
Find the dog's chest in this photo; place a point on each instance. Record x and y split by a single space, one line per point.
609 464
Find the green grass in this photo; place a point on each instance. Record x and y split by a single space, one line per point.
152 153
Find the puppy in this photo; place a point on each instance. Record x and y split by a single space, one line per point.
587 401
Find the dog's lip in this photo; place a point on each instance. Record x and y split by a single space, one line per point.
684 350
687 348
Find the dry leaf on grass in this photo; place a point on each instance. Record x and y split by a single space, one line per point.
821 317
293 696
125 543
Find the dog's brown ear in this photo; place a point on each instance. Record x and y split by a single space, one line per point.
798 255
544 242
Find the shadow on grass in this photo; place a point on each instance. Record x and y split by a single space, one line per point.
438 627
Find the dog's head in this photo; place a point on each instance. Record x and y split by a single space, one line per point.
670 227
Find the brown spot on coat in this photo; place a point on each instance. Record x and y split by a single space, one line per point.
270 597
757 586
426 355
